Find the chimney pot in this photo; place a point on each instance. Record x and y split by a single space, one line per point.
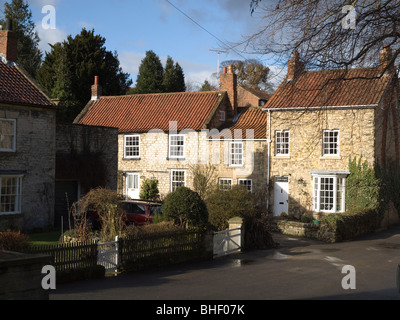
96 89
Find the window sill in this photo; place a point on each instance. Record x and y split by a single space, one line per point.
330 158
176 159
282 156
130 159
9 214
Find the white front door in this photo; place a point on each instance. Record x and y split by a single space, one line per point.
281 195
132 185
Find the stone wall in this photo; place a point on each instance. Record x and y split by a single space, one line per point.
93 146
357 139
34 159
21 276
155 164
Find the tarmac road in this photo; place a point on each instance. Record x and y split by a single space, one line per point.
298 269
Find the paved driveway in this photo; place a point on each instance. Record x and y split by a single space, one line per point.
298 269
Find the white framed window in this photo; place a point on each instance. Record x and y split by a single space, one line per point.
236 154
178 179
225 184
132 146
329 193
282 142
10 194
247 183
177 146
330 143
222 115
8 135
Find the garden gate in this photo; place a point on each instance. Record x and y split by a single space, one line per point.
108 255
227 242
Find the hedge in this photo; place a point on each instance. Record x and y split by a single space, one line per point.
352 224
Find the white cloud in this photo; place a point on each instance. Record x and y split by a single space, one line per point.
50 36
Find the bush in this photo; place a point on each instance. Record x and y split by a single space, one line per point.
362 186
107 205
185 208
351 224
14 241
256 231
306 218
165 226
149 190
225 204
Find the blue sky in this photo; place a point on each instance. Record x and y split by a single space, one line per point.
132 27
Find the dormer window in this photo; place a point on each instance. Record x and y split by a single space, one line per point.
222 115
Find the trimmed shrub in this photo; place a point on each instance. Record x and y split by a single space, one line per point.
225 204
149 190
352 224
185 208
14 241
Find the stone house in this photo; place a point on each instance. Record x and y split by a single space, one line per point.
318 120
162 136
27 145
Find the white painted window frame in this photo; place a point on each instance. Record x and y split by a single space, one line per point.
126 137
280 144
234 161
225 183
18 194
240 183
338 193
173 187
172 145
14 135
324 144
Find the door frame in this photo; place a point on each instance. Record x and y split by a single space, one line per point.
127 174
278 181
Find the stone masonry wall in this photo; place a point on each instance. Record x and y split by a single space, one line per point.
357 139
99 142
35 157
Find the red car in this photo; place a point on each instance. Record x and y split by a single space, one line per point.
139 213
136 213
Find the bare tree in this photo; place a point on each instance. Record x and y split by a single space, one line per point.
328 34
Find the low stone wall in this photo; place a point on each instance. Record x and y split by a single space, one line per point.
21 276
307 230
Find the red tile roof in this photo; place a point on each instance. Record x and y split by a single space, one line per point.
144 112
354 87
17 88
251 124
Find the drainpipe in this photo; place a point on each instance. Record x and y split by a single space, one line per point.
269 156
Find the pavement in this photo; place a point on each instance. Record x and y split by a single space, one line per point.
298 269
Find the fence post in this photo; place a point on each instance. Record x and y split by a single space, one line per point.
238 235
117 253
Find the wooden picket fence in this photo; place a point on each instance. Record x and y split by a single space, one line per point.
162 248
69 256
133 253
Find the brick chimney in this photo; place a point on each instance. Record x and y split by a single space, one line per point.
96 89
8 43
228 83
385 58
295 67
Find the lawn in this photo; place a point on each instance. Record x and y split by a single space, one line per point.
46 238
